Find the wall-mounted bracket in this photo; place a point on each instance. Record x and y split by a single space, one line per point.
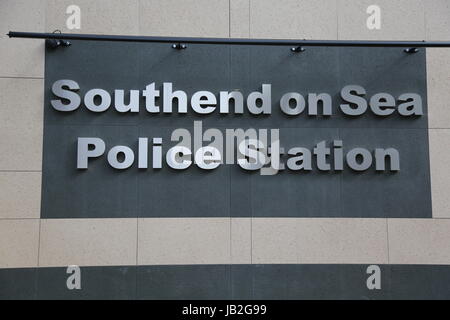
179 46
411 50
53 43
298 49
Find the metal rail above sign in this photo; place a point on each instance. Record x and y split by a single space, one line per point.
179 42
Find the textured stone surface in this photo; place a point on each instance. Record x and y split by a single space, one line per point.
21 195
19 242
92 242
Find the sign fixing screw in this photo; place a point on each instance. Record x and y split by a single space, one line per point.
411 50
298 49
179 46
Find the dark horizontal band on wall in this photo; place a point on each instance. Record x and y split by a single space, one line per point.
229 41
271 281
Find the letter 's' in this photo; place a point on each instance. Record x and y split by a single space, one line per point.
360 102
74 98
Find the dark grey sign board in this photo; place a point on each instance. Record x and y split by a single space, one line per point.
104 192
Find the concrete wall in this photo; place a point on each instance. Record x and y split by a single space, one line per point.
28 241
